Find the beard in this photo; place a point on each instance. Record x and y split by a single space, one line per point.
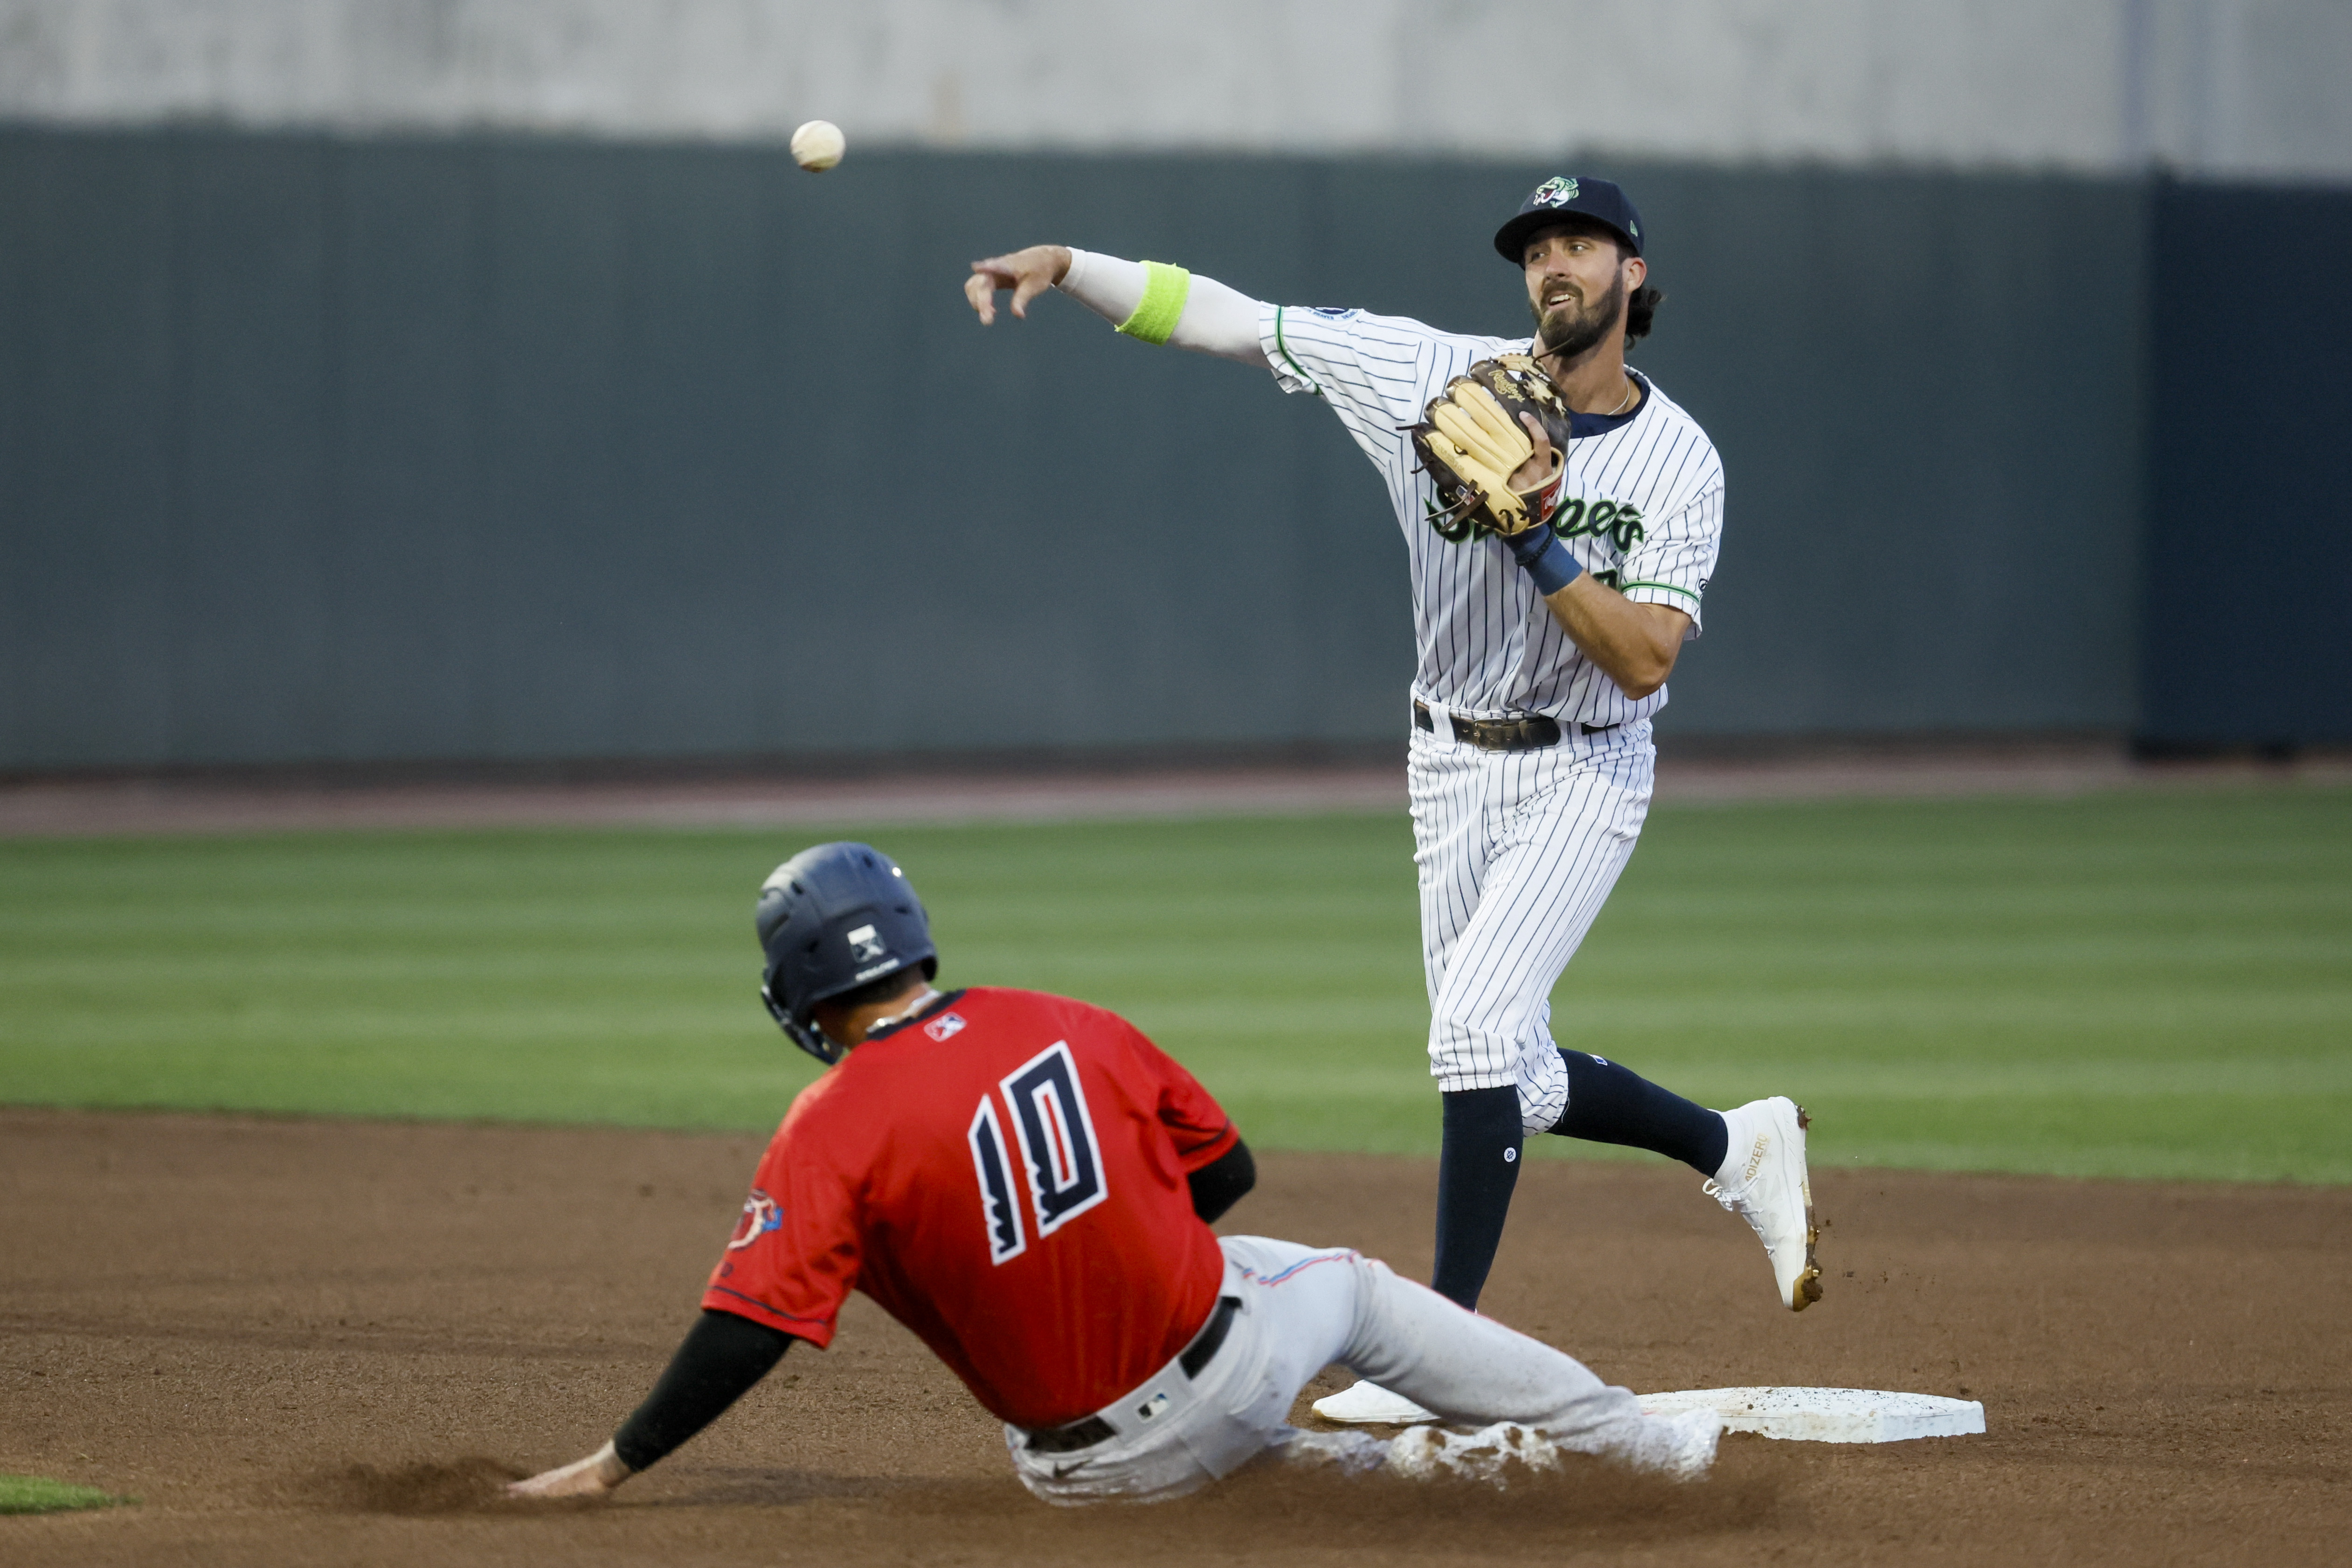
1568 331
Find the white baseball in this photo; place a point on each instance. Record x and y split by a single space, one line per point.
818 145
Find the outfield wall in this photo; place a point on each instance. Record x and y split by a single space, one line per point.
2248 620
326 449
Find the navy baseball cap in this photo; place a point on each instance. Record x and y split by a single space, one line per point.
1561 196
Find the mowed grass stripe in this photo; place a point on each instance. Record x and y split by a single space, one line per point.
2146 984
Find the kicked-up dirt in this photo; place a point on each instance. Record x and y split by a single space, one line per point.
303 1342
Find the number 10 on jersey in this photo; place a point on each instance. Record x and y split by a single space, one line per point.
1056 1137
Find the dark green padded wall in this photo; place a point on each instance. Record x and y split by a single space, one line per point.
2249 621
315 449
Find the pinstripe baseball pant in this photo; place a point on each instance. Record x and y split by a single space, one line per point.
1517 852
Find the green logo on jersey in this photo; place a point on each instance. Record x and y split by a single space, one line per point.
1619 524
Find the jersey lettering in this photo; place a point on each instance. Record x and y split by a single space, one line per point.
1622 524
1058 1138
998 1216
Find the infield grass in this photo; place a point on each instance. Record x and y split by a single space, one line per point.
39 1494
2148 985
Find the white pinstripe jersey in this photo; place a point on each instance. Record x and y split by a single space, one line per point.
1642 511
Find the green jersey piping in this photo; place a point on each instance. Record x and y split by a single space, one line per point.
1296 368
1669 587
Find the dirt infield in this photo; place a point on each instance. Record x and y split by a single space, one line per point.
302 1343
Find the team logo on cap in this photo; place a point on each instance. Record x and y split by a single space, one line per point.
1557 192
865 945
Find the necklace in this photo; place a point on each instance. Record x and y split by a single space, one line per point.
1632 386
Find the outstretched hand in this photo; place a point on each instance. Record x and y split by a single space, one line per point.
594 1476
1028 272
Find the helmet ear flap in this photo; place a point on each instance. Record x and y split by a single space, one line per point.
808 1037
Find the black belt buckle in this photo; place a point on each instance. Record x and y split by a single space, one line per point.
1532 733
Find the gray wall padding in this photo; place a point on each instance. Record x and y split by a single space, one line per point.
318 450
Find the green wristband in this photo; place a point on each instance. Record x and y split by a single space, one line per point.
1165 289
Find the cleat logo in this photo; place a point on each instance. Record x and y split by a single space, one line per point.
1756 1155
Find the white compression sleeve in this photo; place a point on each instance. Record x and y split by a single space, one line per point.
1216 319
1221 322
1106 284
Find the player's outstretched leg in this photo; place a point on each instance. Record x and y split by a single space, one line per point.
1322 1307
1753 1157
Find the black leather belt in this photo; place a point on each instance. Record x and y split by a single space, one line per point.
1089 1430
1531 733
1211 1337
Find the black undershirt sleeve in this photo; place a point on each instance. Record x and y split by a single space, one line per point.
721 1357
1222 1182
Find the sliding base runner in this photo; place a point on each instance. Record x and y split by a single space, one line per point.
1026 1182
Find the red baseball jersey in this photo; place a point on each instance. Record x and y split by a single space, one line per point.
1005 1174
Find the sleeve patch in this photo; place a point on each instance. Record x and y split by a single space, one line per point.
760 1216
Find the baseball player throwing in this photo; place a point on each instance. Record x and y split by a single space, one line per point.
1558 560
1026 1183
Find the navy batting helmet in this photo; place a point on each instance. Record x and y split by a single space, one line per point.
831 919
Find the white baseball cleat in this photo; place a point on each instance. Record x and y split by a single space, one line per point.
1763 1180
1370 1405
1679 1447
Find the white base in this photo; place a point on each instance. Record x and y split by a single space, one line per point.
1368 1405
1827 1414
